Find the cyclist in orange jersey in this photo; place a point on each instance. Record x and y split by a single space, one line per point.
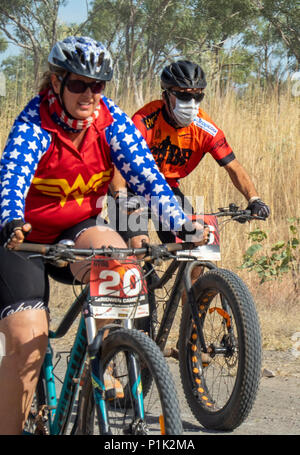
179 134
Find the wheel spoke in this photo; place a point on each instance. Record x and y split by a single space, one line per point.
232 335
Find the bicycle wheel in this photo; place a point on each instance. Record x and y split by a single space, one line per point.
221 386
160 405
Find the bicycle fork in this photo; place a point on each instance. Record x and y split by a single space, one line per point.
95 339
193 305
134 373
226 348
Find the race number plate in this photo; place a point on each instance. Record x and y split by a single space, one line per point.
210 251
118 289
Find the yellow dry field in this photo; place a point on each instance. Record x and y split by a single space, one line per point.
263 129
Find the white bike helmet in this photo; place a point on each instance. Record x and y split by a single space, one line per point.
83 56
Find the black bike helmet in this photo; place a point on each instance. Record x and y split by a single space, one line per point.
183 74
83 56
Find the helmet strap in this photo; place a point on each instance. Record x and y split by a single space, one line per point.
61 93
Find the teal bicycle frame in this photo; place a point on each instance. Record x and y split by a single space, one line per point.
87 343
60 409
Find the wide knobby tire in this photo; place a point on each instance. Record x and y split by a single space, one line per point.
221 390
133 341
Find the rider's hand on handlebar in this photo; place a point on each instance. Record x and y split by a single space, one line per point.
14 233
201 236
258 208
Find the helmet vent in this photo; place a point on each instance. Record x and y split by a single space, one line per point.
100 59
67 55
92 59
80 55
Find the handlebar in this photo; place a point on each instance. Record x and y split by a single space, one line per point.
64 252
237 215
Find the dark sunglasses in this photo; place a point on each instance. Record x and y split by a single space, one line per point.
187 96
79 86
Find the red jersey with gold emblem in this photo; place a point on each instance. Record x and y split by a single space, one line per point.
67 183
177 151
48 182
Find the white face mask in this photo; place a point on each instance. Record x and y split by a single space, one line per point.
185 111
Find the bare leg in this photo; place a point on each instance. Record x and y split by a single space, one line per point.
96 237
26 335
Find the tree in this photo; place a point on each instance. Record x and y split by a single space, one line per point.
3 44
139 34
143 35
267 51
31 25
284 17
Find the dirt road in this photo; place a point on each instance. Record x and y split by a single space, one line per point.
276 410
277 407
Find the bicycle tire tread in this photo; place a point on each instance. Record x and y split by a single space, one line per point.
159 368
246 390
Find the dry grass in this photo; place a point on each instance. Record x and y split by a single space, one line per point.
263 130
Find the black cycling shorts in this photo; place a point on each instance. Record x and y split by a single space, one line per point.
24 281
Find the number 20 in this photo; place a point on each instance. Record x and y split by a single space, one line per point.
106 287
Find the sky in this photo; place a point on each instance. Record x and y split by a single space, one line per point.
74 11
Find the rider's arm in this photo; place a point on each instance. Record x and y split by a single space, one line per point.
118 184
241 179
24 148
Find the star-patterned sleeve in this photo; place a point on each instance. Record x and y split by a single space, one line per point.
134 160
25 146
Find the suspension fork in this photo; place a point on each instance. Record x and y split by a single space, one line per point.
135 382
94 349
192 298
94 340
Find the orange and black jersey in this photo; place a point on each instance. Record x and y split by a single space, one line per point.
177 151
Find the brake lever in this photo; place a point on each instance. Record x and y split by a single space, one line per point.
243 218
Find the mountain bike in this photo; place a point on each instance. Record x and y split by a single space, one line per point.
115 354
219 345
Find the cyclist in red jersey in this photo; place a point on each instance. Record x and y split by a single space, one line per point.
55 169
179 134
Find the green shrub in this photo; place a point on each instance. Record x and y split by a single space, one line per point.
283 257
